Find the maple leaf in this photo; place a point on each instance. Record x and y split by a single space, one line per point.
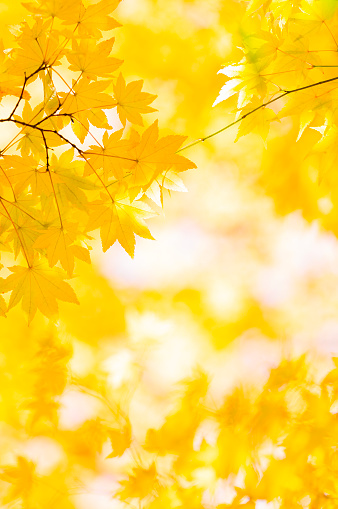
59 245
33 140
42 409
38 287
153 156
24 173
258 122
36 50
131 102
245 78
93 60
9 85
120 220
54 8
51 191
21 477
112 158
24 233
85 103
169 180
13 91
70 186
91 20
140 484
51 101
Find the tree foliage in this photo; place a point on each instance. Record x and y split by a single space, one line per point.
54 191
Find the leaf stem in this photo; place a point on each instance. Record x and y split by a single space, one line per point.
17 233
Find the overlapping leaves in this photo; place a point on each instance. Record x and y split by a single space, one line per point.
55 190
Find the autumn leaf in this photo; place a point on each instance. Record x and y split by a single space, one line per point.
55 8
131 102
120 219
55 189
258 122
112 158
21 477
38 287
76 103
102 404
170 180
59 245
140 483
93 19
153 156
35 50
93 60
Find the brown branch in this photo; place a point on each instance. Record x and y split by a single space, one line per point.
50 177
20 97
27 78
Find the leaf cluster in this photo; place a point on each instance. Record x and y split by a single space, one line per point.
58 181
289 68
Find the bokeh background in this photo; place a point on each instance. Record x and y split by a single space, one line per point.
242 277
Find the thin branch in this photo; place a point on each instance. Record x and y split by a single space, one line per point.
285 93
83 155
20 97
21 210
86 129
110 155
27 78
50 177
330 32
47 150
119 180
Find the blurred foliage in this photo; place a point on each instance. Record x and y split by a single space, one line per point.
201 374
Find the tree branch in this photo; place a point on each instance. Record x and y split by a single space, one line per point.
285 93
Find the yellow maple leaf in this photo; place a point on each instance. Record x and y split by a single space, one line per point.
111 158
58 242
32 140
140 484
38 287
120 220
70 186
153 155
257 122
131 102
62 9
21 477
85 103
26 172
169 180
35 49
92 59
13 91
91 20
